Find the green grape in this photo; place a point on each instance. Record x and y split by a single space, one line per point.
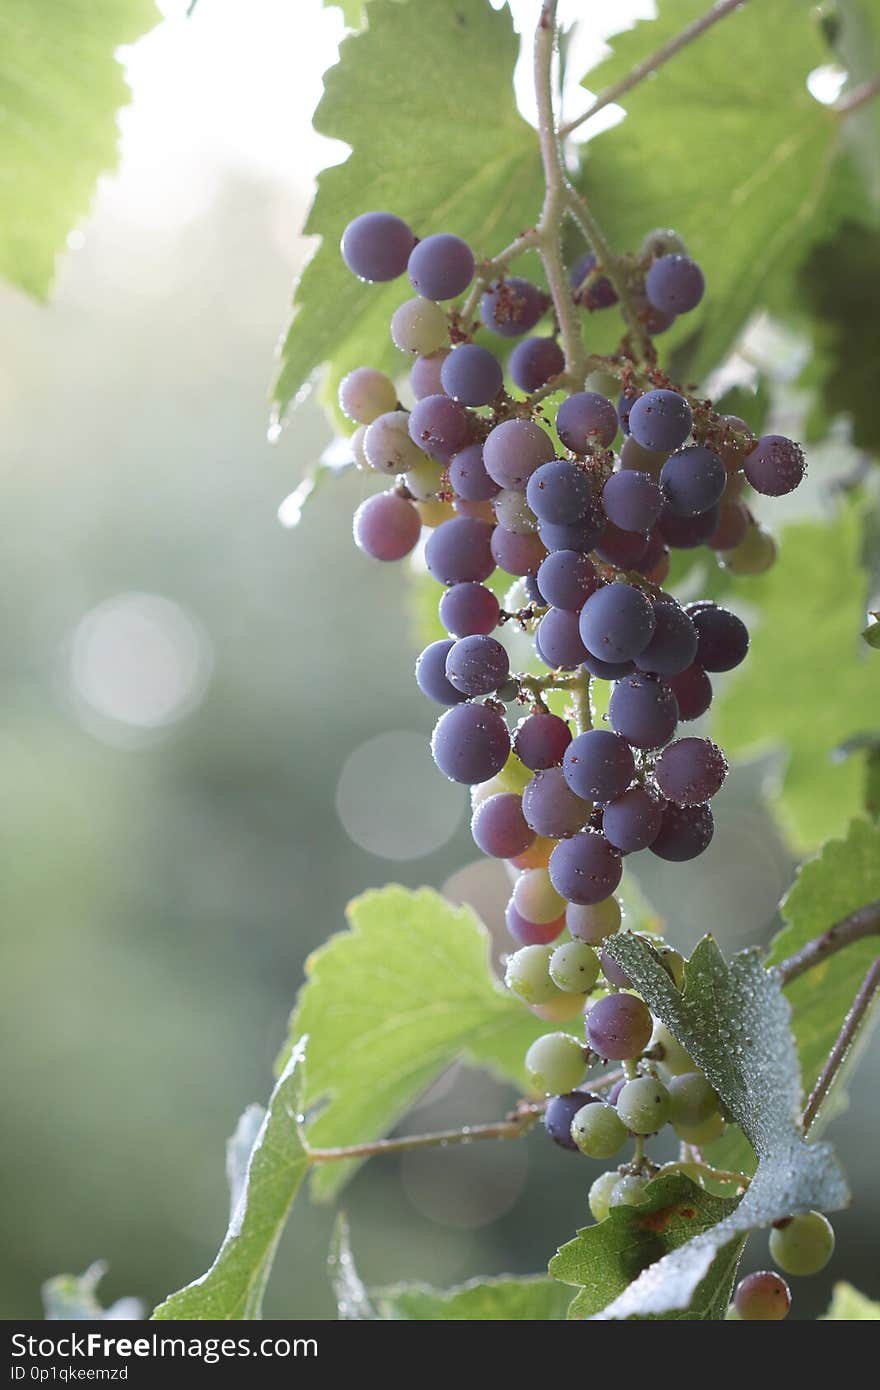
643 1105
662 241
419 326
629 1192
574 967
425 479
598 1131
528 974
514 513
673 964
535 898
593 924
802 1244
755 553
674 1059
600 1194
762 1297
514 777
604 383
705 1133
556 1064
692 1100
560 1008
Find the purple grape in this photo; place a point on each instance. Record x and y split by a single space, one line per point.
377 245
459 550
469 608
518 555
643 710
613 973
477 665
685 832
441 266
431 675
693 691
734 523
440 426
654 564
472 375
722 637
687 532
566 579
540 741
619 1027
673 645
690 770
632 821
617 622
674 284
559 492
499 828
660 421
470 743
632 500
762 1297
586 421
386 527
531 933
534 361
608 670
468 477
625 403
550 806
424 377
585 869
512 307
775 466
513 450
599 293
580 536
693 480
559 1114
615 1091
598 765
533 592
558 642
623 549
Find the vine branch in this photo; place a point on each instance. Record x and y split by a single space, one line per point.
845 1039
865 921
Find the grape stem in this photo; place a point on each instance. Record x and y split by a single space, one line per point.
865 921
845 1039
648 66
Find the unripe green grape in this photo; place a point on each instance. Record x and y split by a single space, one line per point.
535 898
755 554
593 924
705 1133
662 241
562 1007
600 1194
629 1192
425 479
556 1064
674 1059
574 967
514 513
605 383
802 1244
692 1100
515 777
598 1131
419 326
432 512
388 446
643 1105
673 964
762 1297
528 975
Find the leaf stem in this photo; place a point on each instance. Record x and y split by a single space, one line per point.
865 921
845 1038
655 60
864 92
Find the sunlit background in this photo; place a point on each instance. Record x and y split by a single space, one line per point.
211 737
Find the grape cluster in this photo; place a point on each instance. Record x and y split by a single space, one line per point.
580 505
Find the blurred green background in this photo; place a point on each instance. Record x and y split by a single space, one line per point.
184 681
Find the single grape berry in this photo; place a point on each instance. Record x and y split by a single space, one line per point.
518 555
566 579
617 622
574 967
477 665
591 290
560 492
559 1114
629 1191
637 459
499 827
685 832
386 527
535 897
472 375
662 241
586 421
673 643
512 307
692 480
671 1055
687 532
775 466
600 1193
643 710
366 394
632 821
800 1244
534 362
580 536
598 1131
598 765
441 266
619 1027
470 743
431 677
469 608
424 377
531 933
674 284
593 922
614 973
733 526
704 1133
555 1063
762 1297
693 691
608 670
513 450
459 551
632 501
419 326
586 868
755 554
692 1100
514 513
690 770
551 808
558 640
388 445
439 426
722 637
540 740
527 974
377 245
660 420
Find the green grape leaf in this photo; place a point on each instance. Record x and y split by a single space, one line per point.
233 1288
387 1006
74 1298
843 877
848 1305
603 1260
61 86
727 145
444 71
776 694
734 1021
502 1298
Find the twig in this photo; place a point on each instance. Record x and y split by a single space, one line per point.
845 1038
654 61
516 1124
864 92
865 921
